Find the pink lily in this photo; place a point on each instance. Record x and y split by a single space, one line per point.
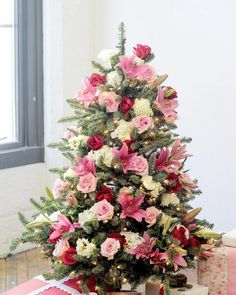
84 166
124 157
130 206
87 95
156 258
144 249
187 183
177 259
165 105
178 151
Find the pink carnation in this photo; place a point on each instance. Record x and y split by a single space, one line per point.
142 123
110 100
61 246
103 210
87 183
110 247
151 215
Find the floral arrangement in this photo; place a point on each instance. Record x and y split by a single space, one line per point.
120 212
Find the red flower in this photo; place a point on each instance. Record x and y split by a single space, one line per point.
68 256
129 143
193 242
170 93
118 237
125 104
104 193
96 79
181 233
174 184
95 142
142 51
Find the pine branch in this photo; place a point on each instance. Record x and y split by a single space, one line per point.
100 68
59 171
121 44
22 219
36 204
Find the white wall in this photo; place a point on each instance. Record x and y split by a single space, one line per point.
195 43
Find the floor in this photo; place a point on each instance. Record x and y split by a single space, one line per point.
21 267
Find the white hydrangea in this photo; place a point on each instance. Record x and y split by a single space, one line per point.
169 199
106 55
85 248
151 185
76 141
104 155
114 79
123 130
132 240
142 107
70 173
86 216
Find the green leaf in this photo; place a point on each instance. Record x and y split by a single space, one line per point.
49 193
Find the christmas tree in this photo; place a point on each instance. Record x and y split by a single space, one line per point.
120 212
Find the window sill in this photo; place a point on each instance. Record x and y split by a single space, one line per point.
21 156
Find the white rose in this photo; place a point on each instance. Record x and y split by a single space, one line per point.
86 216
106 55
114 79
132 240
123 131
85 248
142 107
70 173
109 248
169 199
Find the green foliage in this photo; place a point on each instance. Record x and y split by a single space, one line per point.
121 43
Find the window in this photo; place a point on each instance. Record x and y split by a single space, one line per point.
21 83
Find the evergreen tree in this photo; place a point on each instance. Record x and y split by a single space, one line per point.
120 212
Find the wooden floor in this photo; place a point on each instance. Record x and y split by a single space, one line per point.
20 268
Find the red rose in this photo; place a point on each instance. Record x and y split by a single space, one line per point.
95 142
104 193
96 79
125 104
118 237
142 51
181 233
68 256
170 93
193 242
129 143
174 184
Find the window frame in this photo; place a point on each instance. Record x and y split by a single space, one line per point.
28 149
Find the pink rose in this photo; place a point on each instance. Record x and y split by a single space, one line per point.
103 210
109 248
61 246
142 123
140 165
151 215
142 51
110 100
87 183
59 186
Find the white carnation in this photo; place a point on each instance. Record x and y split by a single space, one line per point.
104 155
132 240
76 141
169 199
123 131
85 248
114 79
86 216
142 107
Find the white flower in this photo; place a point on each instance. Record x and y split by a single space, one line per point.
42 218
169 199
138 61
103 155
114 79
86 216
70 173
151 185
106 55
123 131
76 141
55 216
85 248
132 240
142 107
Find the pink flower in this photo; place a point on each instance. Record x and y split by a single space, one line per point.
130 206
59 228
165 105
151 215
177 260
156 258
97 79
142 51
144 250
87 183
87 95
110 100
178 151
187 183
139 164
71 199
84 166
124 156
103 210
59 186
61 246
109 248
131 70
142 123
